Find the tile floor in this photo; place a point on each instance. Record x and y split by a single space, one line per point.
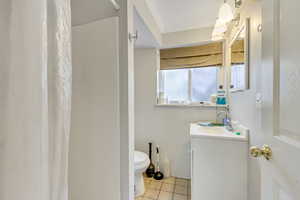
167 189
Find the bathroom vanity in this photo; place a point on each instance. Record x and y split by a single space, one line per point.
218 162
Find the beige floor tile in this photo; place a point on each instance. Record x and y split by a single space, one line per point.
165 196
181 180
151 194
147 184
159 181
170 180
166 187
180 197
180 190
146 198
147 180
155 185
183 184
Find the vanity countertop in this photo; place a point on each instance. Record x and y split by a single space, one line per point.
240 132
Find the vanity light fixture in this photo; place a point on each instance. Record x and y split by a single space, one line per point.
225 16
220 27
219 30
225 13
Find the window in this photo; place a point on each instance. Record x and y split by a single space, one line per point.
176 84
204 83
189 85
189 75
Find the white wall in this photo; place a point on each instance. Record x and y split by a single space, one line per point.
4 59
166 126
5 13
243 106
145 37
145 13
95 138
187 38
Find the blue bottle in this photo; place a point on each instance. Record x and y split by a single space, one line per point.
221 96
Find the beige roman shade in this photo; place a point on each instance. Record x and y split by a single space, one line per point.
238 52
192 57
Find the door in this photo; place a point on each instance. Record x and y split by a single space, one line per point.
281 99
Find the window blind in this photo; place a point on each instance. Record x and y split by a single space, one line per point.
192 57
238 52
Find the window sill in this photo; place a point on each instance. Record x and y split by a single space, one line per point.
237 90
192 105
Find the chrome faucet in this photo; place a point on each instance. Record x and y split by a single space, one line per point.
226 120
222 112
228 124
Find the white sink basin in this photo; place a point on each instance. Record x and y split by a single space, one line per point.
240 133
213 130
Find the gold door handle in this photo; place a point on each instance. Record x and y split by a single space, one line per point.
265 151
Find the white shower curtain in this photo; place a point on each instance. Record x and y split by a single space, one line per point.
35 100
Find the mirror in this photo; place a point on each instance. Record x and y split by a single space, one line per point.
239 70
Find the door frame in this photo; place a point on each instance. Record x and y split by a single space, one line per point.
126 100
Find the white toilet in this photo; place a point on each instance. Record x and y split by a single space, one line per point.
141 163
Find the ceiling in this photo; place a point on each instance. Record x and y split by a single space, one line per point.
170 15
180 15
145 37
85 11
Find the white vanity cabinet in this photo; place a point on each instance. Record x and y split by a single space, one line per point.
218 163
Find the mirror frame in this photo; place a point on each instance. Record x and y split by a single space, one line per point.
245 26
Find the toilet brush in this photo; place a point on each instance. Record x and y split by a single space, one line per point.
151 168
158 175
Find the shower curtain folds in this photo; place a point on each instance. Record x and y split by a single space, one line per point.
35 99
